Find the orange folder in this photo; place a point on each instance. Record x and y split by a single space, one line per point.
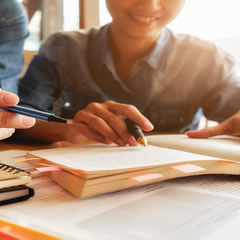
11 231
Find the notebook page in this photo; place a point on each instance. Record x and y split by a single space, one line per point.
225 147
104 157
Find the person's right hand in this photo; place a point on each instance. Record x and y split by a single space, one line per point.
104 122
10 121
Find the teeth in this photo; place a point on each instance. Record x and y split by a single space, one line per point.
144 19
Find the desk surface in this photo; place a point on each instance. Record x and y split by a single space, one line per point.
8 145
149 212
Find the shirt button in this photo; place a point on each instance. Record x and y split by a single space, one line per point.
67 104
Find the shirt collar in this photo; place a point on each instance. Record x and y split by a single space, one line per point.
154 58
103 51
104 55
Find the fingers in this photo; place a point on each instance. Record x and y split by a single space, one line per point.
8 99
206 133
108 125
230 126
12 120
131 112
76 132
106 119
8 120
6 133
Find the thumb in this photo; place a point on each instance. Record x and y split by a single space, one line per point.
6 132
207 132
8 99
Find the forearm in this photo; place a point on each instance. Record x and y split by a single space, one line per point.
97 122
43 132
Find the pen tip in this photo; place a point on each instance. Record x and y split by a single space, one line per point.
54 118
142 141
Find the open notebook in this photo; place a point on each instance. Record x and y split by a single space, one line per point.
95 169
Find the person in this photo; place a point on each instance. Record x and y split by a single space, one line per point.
10 121
13 32
136 68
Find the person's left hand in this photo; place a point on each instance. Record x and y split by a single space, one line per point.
231 126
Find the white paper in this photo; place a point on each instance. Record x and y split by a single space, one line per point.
225 147
102 157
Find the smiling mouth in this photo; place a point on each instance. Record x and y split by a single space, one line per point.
144 19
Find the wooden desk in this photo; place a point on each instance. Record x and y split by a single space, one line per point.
7 145
155 211
12 145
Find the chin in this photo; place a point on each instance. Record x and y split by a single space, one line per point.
145 31
143 34
130 29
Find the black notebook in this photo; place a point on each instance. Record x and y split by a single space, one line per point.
12 184
15 194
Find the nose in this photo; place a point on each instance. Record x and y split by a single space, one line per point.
155 4
150 5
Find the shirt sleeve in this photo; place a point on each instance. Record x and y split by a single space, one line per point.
13 32
39 87
42 85
223 100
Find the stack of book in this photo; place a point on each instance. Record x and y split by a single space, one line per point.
96 169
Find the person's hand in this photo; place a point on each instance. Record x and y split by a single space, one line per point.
104 122
10 121
231 126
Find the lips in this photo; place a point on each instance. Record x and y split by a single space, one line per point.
144 19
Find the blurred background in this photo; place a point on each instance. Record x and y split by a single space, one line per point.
208 19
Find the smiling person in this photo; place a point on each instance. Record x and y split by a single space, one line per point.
134 67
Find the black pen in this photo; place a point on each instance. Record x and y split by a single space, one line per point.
136 131
45 116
